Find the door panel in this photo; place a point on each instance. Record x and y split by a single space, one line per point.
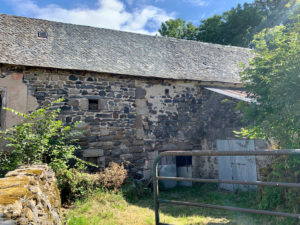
241 168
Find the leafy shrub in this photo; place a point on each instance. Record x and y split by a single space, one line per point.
42 138
282 169
272 81
6 164
74 184
133 190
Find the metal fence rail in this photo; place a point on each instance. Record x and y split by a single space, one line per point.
156 178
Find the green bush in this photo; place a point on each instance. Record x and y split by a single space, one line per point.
74 184
42 138
7 162
282 169
134 190
272 81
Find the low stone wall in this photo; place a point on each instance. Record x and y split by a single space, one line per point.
29 195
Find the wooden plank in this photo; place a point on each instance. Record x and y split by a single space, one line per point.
224 165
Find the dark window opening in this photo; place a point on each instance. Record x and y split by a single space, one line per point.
42 34
93 104
183 161
167 91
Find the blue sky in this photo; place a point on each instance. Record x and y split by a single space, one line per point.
141 16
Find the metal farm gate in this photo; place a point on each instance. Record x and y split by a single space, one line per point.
225 153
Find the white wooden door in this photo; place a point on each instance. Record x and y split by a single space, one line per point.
241 168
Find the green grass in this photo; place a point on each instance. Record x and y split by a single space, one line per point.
108 208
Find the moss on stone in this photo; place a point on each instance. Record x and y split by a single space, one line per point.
17 181
33 171
25 188
7 200
14 192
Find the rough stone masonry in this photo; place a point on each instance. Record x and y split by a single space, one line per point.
136 95
132 118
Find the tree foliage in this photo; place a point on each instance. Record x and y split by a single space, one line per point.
234 27
273 79
276 11
178 29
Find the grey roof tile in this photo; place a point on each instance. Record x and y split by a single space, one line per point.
87 48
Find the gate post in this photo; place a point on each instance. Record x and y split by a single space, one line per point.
155 189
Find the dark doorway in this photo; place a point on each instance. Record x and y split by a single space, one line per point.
183 161
184 169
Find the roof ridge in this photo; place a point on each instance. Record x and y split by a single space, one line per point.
79 47
122 31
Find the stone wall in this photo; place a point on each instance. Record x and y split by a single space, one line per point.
29 195
136 118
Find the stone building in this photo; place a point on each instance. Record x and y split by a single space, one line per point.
136 95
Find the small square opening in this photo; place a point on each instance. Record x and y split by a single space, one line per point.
42 34
167 91
93 104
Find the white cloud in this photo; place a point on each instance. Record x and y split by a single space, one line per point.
198 2
108 14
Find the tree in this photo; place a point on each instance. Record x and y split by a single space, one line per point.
273 80
276 11
234 27
241 24
178 29
211 30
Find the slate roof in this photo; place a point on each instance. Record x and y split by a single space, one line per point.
87 48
